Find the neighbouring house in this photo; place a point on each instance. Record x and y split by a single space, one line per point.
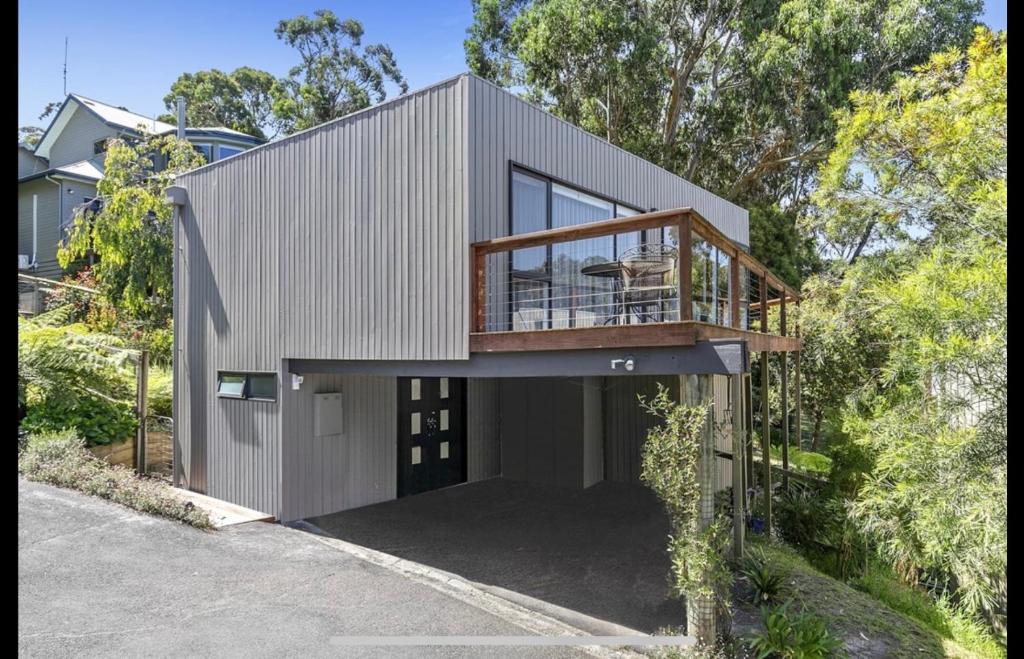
451 286
61 171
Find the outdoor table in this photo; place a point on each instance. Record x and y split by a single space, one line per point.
614 270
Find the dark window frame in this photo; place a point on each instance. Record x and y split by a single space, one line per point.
550 181
247 385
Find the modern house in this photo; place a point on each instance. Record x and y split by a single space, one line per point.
451 286
61 171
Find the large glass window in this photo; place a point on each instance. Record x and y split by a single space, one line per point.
626 241
711 285
571 289
547 289
530 278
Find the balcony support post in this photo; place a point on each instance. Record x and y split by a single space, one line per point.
478 284
766 444
685 269
784 363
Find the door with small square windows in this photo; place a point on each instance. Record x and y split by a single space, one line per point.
431 434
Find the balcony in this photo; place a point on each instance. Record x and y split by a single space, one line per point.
664 278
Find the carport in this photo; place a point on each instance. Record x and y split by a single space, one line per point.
599 551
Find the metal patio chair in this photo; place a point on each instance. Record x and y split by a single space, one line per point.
648 281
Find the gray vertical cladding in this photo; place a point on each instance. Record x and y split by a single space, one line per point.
347 241
350 241
78 138
483 428
325 474
504 127
626 424
369 217
542 429
593 430
226 318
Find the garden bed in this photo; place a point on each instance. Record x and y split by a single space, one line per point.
61 459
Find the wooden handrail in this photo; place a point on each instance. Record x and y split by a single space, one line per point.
652 220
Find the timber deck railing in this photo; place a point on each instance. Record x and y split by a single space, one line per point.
659 278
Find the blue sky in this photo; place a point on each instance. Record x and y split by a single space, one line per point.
129 53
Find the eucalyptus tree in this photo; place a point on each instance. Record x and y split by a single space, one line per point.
240 100
737 96
337 74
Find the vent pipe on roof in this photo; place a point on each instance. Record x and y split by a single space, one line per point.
181 117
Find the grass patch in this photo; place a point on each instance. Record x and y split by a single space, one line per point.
813 463
940 617
868 624
61 459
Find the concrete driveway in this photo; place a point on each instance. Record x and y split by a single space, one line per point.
95 579
599 551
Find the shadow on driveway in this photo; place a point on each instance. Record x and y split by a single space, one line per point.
599 551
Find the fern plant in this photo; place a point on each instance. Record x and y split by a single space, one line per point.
790 635
766 580
69 377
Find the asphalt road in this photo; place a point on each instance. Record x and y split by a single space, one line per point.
96 579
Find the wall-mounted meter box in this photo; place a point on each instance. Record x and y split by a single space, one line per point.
327 414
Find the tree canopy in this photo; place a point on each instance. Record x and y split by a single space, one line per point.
336 74
737 97
918 176
132 230
240 100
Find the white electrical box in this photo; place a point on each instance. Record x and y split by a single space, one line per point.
24 262
327 414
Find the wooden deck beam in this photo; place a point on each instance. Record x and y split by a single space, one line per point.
685 333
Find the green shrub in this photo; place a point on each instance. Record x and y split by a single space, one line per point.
938 615
766 580
815 463
794 636
96 420
71 377
61 459
818 526
160 392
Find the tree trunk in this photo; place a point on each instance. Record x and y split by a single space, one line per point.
817 431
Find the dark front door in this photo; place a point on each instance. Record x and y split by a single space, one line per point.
431 434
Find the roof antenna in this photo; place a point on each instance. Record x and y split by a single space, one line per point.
65 66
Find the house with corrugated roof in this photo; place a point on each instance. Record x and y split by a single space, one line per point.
61 170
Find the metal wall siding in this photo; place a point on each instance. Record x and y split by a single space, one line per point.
626 423
483 428
358 467
505 128
226 319
78 138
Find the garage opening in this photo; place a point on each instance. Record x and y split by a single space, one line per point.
554 508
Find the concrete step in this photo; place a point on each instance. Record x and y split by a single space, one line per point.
222 513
